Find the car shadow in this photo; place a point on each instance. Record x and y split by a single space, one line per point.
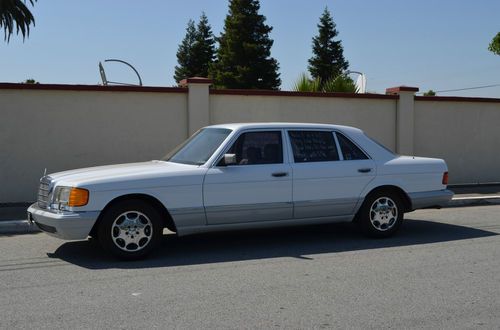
297 242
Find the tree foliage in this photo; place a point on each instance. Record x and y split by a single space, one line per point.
184 53
244 55
328 54
340 84
30 81
495 44
15 14
204 47
430 92
306 84
196 51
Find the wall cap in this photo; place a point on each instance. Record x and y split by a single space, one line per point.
96 88
398 89
456 99
195 80
262 92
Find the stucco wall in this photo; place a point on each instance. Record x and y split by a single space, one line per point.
64 129
377 117
466 134
61 127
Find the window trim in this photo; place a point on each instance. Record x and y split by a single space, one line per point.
236 136
353 142
291 158
337 143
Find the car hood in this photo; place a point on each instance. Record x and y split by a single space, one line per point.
144 173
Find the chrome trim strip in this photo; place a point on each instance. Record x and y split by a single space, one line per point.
187 210
331 202
247 207
324 207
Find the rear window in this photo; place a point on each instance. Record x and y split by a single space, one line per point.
349 150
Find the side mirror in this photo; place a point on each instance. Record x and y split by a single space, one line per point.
228 159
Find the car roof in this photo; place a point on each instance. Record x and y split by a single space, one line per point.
240 126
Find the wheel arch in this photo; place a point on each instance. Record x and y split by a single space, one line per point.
168 221
395 189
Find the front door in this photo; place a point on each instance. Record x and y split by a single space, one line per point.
257 188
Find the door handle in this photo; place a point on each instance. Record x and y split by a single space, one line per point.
364 170
279 174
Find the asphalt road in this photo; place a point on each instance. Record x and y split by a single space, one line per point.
441 271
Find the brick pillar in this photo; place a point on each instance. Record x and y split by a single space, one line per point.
404 118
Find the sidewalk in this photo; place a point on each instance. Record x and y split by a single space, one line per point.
13 215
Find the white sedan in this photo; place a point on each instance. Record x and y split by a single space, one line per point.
239 176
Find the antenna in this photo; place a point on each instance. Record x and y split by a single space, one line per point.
103 74
360 82
105 81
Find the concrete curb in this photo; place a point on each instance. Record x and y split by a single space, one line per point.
16 227
474 201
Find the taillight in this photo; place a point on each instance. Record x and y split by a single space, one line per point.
445 178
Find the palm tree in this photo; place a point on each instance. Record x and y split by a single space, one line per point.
15 13
339 84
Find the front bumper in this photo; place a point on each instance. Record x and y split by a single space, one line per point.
66 225
430 199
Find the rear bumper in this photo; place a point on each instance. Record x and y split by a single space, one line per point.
67 225
430 199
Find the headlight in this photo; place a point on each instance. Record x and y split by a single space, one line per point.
65 197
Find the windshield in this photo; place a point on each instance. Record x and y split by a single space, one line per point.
199 147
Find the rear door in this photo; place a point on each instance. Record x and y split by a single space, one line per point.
258 188
329 173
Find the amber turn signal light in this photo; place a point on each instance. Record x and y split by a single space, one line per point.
445 178
78 197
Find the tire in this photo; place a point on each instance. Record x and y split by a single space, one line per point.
130 229
381 214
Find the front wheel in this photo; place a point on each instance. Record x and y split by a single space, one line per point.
130 229
381 214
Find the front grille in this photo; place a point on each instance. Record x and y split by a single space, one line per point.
44 192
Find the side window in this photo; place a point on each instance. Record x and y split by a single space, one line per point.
255 148
349 150
313 146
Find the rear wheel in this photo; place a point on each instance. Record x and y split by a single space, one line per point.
130 229
381 214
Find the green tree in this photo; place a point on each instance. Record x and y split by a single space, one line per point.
196 51
203 49
184 54
244 55
495 44
430 92
14 13
328 55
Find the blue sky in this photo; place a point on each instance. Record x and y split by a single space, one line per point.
437 45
